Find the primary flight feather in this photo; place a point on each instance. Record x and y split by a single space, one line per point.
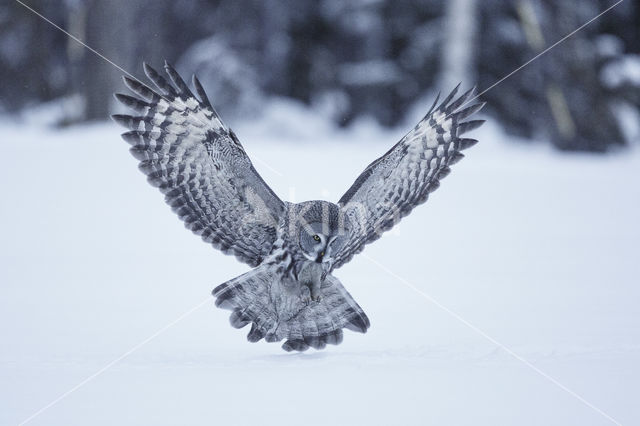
209 181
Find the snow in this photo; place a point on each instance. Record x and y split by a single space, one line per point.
625 70
372 72
538 250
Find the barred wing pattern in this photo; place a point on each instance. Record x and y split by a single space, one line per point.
395 183
198 163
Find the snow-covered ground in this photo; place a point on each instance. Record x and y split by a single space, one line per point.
536 249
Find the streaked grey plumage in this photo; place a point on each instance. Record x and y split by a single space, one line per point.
208 180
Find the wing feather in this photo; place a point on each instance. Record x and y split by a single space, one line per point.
390 187
208 180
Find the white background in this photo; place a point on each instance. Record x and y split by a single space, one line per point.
539 250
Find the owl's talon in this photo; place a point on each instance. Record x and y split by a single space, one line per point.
316 296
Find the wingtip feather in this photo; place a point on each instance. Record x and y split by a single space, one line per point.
121 119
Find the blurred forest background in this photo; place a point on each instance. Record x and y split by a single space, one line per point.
346 59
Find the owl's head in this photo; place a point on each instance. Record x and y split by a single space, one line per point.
321 231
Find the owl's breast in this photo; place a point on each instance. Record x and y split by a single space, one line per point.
309 272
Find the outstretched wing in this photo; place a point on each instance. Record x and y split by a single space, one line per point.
395 183
198 163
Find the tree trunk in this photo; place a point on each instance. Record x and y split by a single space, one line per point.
458 53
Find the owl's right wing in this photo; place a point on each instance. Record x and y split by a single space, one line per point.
198 163
395 183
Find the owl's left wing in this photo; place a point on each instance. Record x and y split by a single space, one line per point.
401 179
198 163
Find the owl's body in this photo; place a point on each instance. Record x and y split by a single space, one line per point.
291 294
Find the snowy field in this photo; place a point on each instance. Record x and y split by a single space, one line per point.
536 249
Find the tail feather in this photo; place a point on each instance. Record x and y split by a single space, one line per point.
255 334
239 319
311 334
277 312
295 330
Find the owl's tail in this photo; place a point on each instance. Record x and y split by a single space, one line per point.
276 312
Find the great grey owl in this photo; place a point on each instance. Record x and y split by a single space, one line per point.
208 180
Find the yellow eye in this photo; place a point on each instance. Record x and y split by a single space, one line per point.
316 238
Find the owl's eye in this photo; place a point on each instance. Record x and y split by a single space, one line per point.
316 238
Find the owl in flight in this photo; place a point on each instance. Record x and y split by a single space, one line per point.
207 178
